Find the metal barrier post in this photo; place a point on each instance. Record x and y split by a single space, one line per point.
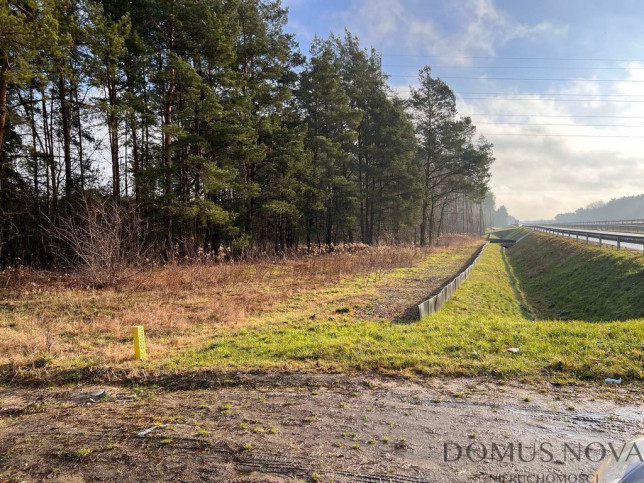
601 237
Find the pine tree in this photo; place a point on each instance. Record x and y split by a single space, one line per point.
227 137
197 40
453 166
106 38
382 157
331 135
24 27
434 109
395 182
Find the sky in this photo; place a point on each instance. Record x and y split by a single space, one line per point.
556 85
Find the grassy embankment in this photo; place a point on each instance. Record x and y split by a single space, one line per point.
509 233
512 299
570 280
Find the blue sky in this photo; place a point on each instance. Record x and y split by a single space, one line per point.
550 159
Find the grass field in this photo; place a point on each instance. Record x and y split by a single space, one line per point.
573 311
49 322
569 280
490 313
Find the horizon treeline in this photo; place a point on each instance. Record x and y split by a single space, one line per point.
203 118
617 209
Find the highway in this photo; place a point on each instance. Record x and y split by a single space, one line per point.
622 226
628 240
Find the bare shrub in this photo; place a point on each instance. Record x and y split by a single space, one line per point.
102 241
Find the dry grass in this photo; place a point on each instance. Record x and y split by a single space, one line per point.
47 318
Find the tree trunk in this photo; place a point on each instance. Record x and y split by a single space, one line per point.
372 210
34 147
52 186
430 228
167 143
133 134
67 139
4 82
423 223
79 127
4 168
112 125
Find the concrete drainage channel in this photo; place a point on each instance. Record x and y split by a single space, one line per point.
436 303
508 242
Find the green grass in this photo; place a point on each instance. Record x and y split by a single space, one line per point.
509 233
566 279
488 314
81 453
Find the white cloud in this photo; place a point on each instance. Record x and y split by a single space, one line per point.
578 160
402 25
540 176
521 31
534 176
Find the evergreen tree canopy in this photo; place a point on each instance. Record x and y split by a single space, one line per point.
206 119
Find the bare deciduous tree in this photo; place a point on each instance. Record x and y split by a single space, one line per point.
102 241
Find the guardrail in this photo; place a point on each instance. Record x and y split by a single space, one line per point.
507 242
436 303
604 222
602 237
622 225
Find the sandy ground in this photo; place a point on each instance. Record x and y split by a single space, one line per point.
314 428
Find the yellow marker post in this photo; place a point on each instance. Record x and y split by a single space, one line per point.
139 342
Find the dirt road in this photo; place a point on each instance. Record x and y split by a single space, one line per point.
315 428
